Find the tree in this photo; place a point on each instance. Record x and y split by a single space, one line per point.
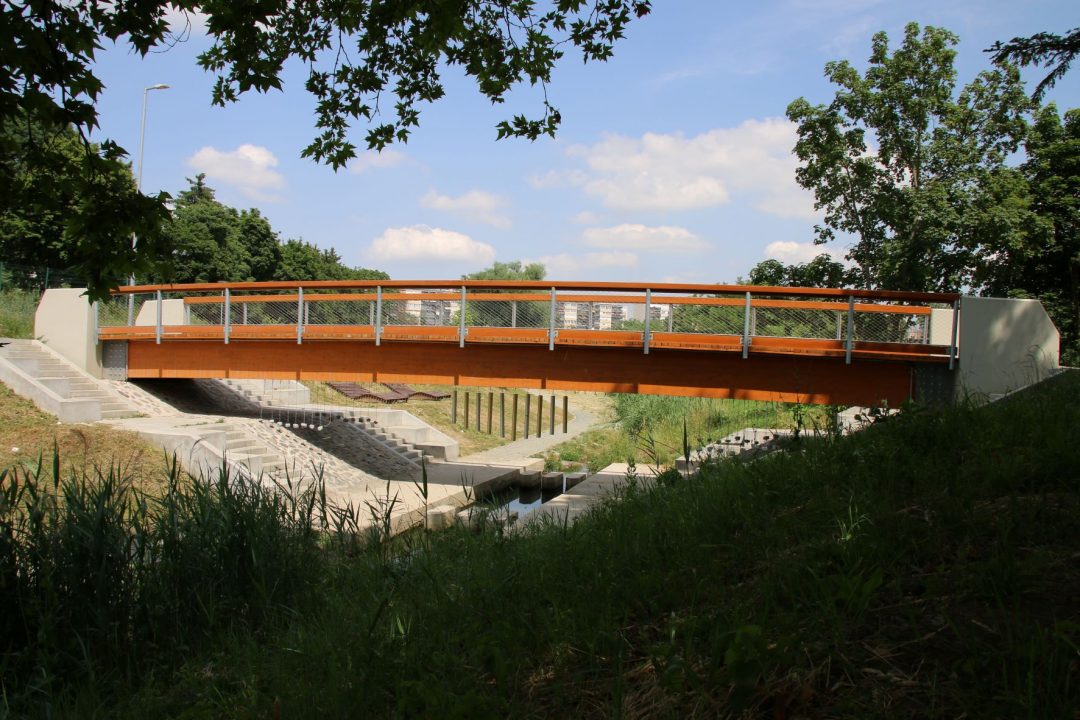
822 271
65 204
1047 49
502 314
373 61
915 171
509 271
1046 265
213 242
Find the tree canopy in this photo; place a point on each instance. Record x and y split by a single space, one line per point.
1047 49
375 62
912 168
823 271
212 242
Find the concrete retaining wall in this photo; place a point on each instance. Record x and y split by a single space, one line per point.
1005 344
65 322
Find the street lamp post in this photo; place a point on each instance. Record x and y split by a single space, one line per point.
138 187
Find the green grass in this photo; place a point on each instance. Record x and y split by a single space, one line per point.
925 567
649 428
17 313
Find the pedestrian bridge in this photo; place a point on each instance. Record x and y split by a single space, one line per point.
810 345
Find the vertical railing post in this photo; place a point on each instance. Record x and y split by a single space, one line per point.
378 315
646 334
849 343
227 324
746 329
551 327
461 327
157 322
299 315
131 309
528 403
671 317
97 322
243 313
955 331
513 313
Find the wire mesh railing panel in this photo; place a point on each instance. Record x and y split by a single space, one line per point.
705 319
340 312
492 313
205 313
121 310
265 312
797 323
891 327
402 312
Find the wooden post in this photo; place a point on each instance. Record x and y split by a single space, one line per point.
528 402
502 414
453 408
478 428
466 409
513 419
491 405
551 420
565 412
539 415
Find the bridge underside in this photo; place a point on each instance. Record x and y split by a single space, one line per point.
785 378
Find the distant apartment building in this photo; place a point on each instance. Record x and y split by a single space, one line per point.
589 315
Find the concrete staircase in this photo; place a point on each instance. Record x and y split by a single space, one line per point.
270 393
388 439
57 386
241 448
202 447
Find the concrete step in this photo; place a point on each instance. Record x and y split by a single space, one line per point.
118 413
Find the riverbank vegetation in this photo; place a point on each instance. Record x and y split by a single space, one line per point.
650 428
925 567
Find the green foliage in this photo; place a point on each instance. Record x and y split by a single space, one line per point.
1046 49
823 271
17 313
373 62
102 578
1047 265
66 203
928 562
509 271
913 169
497 314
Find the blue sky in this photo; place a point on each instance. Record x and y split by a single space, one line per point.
673 162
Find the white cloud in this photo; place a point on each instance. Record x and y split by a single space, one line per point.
248 168
373 159
794 252
478 205
752 162
641 237
570 267
424 243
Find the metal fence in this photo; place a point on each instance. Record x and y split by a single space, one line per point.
36 277
623 314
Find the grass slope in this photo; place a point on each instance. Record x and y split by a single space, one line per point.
27 434
927 567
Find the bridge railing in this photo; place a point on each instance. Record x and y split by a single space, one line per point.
745 319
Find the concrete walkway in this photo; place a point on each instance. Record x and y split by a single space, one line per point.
523 449
574 503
